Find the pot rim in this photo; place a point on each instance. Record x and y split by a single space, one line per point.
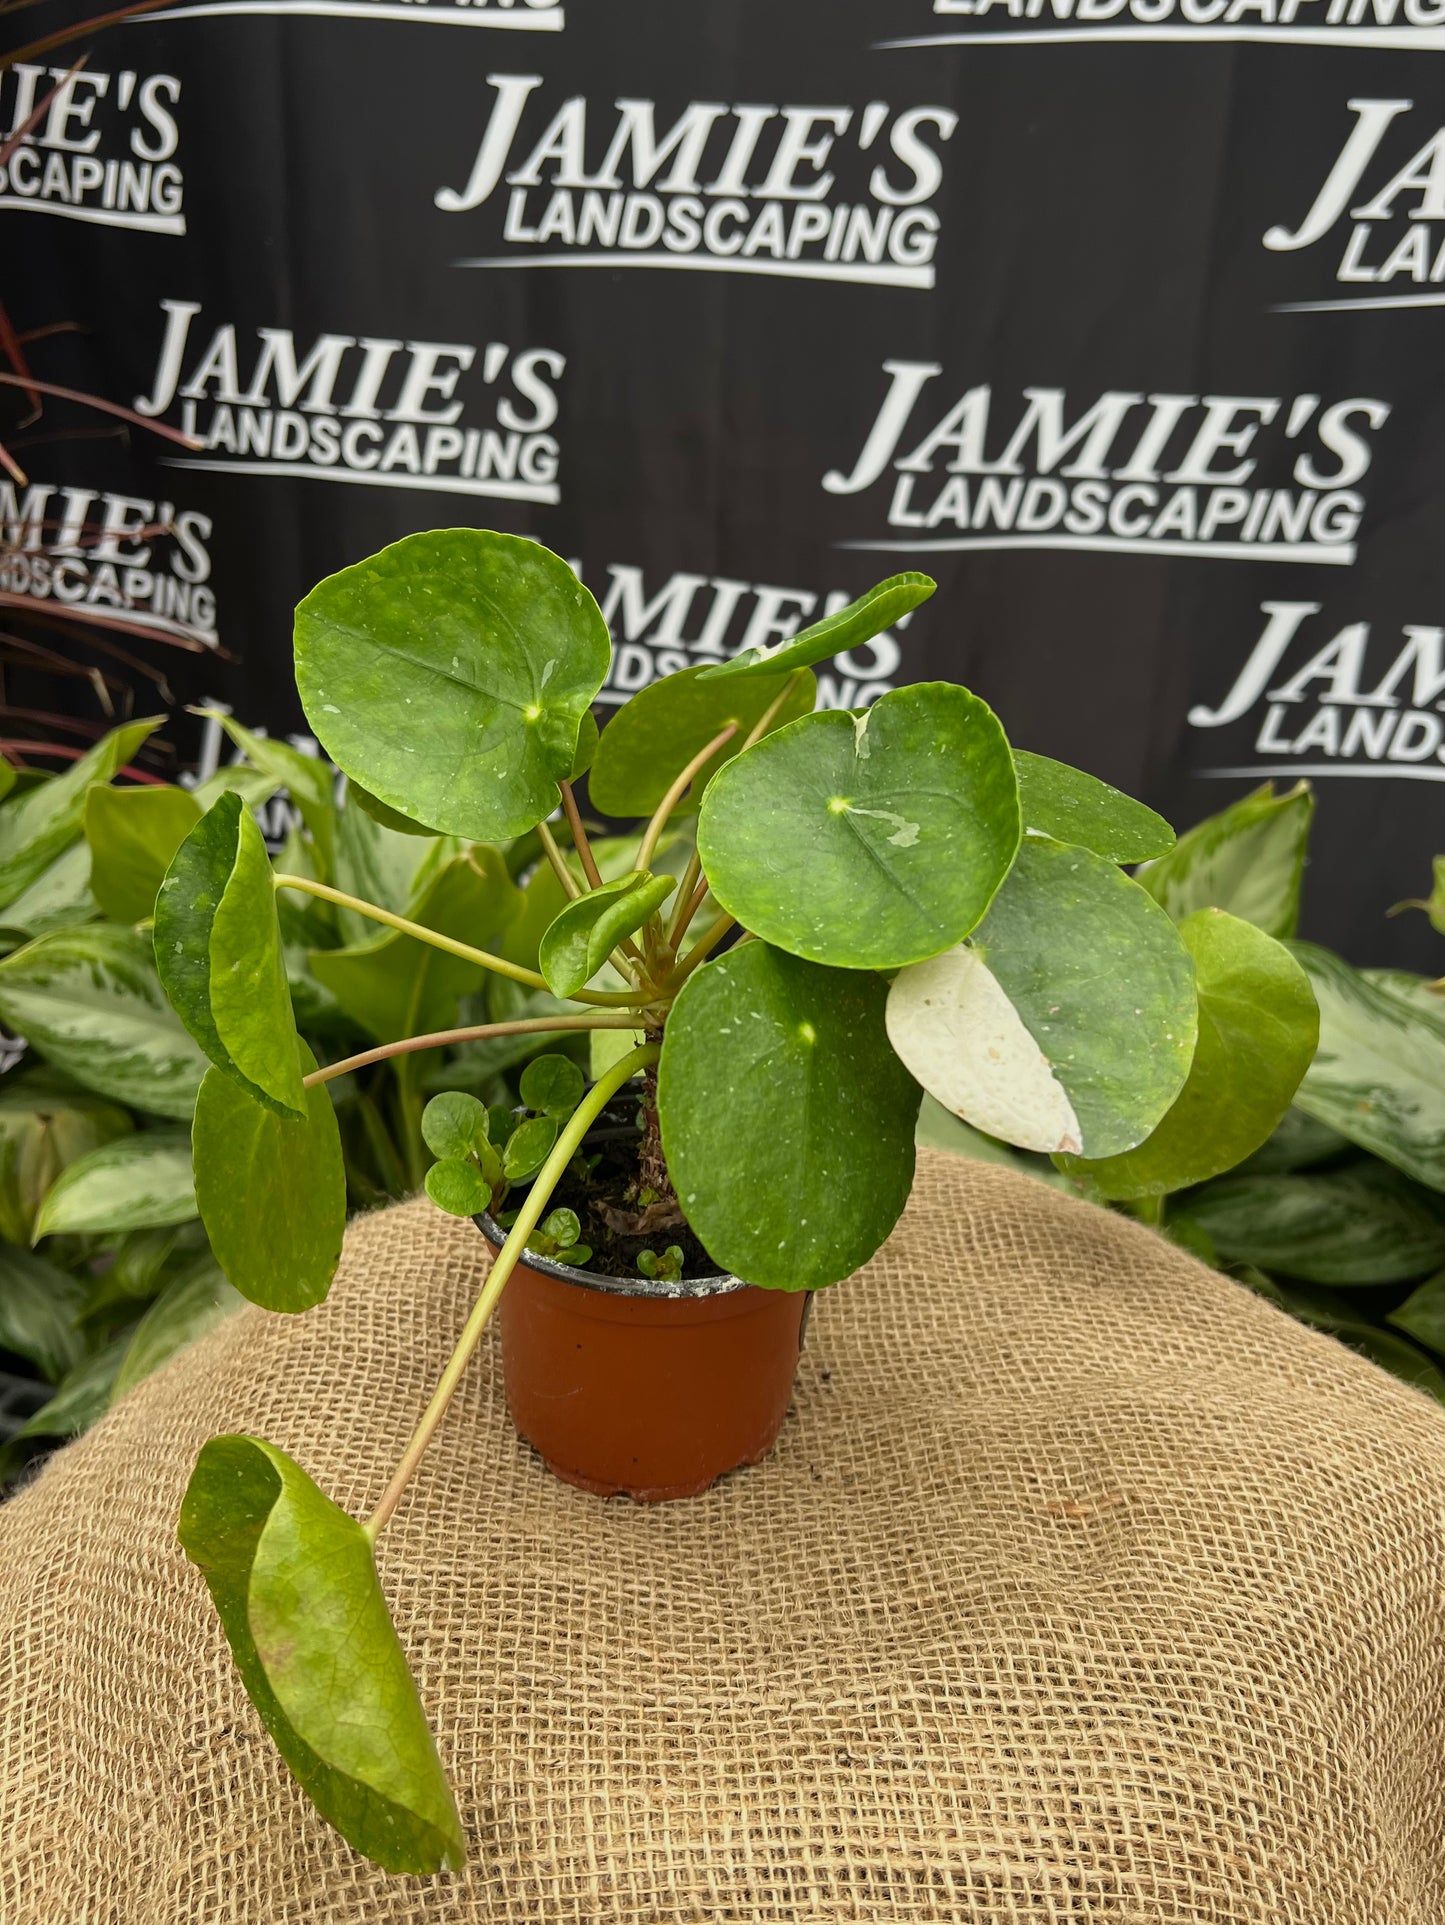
715 1286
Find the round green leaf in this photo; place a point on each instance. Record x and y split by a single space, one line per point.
1071 806
139 1182
1068 1022
866 841
453 1123
851 627
562 1226
89 1002
552 1084
294 1582
1362 1225
218 951
787 1120
577 944
456 1185
271 1190
133 836
528 1147
1258 1026
449 675
652 738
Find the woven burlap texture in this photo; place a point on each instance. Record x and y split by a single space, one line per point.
1082 1585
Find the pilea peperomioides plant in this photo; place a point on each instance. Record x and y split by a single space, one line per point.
872 902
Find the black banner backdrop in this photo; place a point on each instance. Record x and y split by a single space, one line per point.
1120 317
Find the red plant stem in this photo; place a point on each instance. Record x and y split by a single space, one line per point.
104 407
474 1033
679 789
579 837
78 32
12 141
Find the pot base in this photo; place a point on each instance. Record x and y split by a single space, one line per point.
646 1395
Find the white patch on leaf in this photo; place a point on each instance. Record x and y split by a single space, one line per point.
956 1031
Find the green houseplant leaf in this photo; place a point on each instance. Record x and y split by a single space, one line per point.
449 675
1071 806
139 1182
82 1398
1363 1225
133 835
309 781
577 944
866 841
787 1120
37 826
90 1002
1422 1314
1379 1074
190 1305
1068 1022
218 951
44 1127
39 1305
653 737
277 1234
1258 1026
850 627
1248 859
1322 1311
294 1583
60 896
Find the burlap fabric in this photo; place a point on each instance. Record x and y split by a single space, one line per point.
1083 1585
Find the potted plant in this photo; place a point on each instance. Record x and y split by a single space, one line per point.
872 901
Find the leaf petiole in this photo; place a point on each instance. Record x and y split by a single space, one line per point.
527 1219
653 833
604 998
472 1033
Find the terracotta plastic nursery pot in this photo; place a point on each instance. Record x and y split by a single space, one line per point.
641 1387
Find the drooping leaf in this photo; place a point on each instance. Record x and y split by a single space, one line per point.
190 1305
449 675
1258 1026
39 1304
254 786
139 1182
871 841
37 826
552 1084
787 1120
1421 1315
218 951
1379 1074
307 779
1071 806
1362 1225
1067 1023
45 1127
294 1582
850 627
1248 859
271 1190
89 1001
587 930
652 738
133 835
59 898
395 985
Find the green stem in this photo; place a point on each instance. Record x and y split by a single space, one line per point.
604 998
652 835
682 913
472 1033
579 836
764 722
702 948
528 1217
559 863
1150 1209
